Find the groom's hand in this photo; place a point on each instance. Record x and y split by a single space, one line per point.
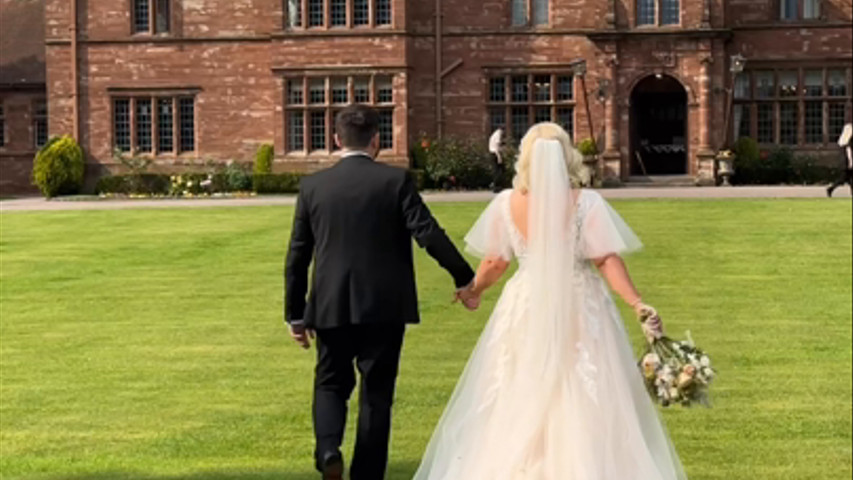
469 297
301 335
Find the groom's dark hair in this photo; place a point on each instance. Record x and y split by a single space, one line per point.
356 125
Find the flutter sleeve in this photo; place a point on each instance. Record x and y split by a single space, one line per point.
489 237
604 232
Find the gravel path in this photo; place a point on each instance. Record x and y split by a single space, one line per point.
85 203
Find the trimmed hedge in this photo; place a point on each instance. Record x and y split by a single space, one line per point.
276 183
59 167
809 171
143 184
779 166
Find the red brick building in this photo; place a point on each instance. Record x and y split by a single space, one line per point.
23 97
185 81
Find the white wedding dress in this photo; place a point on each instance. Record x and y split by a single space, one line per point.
552 390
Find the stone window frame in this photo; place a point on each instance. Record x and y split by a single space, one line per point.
507 106
529 14
300 9
40 122
779 13
658 21
155 97
298 102
800 98
153 7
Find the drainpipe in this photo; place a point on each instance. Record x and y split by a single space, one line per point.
75 87
439 91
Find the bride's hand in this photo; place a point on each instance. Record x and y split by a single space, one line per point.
469 297
650 321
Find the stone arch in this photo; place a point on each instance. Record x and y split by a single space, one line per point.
692 99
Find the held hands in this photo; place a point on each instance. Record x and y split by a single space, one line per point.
302 335
469 297
649 320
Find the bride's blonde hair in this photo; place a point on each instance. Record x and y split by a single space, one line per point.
578 173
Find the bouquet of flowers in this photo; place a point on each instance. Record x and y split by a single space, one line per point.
676 372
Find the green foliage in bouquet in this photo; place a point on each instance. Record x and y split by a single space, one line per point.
59 167
677 372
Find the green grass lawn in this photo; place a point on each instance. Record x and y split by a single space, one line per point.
148 344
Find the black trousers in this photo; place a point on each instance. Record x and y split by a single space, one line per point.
497 174
846 178
375 351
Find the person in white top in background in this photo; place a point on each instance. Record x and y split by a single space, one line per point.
845 141
495 145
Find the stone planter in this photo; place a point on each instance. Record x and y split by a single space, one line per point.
725 169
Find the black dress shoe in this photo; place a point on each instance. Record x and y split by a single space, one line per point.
332 466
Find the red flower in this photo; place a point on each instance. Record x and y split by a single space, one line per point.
425 144
764 154
453 179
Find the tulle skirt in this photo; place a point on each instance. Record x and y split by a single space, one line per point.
586 417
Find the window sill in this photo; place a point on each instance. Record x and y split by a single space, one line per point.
149 35
673 26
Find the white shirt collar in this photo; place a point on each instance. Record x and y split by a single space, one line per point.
355 153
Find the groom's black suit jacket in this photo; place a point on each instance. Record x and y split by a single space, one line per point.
357 220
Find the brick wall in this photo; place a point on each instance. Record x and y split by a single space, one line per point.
18 151
237 53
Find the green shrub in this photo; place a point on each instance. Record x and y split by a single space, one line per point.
234 178
59 167
587 147
809 170
747 151
457 164
276 183
780 164
754 167
264 159
418 156
419 176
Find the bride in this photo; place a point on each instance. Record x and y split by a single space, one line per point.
552 391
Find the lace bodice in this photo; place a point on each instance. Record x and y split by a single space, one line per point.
597 229
516 239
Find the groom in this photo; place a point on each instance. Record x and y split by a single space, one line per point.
356 221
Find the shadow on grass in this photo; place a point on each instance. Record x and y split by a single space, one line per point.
396 471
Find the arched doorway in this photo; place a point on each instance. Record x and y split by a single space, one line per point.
659 127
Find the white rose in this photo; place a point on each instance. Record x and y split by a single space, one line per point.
705 361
